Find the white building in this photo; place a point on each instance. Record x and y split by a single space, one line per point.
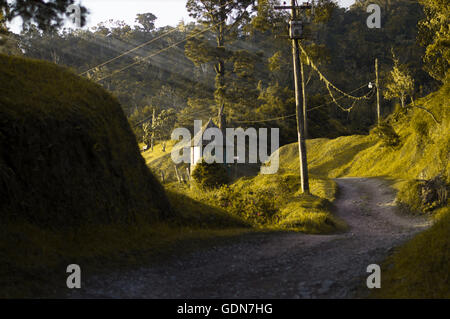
198 144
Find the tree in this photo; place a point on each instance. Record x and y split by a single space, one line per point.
147 137
146 20
164 124
8 41
45 14
160 128
434 34
224 17
400 85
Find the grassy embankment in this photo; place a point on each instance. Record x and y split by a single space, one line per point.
74 188
271 202
420 268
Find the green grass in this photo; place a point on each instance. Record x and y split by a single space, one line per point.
420 268
160 161
157 153
67 153
296 211
272 202
251 195
420 155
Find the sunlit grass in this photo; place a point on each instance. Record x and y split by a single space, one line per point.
420 268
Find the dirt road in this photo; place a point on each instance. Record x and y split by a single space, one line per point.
279 265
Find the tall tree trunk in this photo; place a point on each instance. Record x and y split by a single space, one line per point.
220 65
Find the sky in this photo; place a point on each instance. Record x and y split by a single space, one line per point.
169 12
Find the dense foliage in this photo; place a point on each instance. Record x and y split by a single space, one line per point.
209 175
246 63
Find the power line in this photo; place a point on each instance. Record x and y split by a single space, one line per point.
292 115
267 120
158 52
131 50
339 98
146 43
328 84
196 113
204 112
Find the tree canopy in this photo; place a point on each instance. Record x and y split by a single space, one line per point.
242 59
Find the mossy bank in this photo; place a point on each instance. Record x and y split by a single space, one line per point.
73 185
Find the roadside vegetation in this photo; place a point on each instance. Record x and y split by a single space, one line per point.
273 202
418 166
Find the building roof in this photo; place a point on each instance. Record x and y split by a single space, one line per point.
199 135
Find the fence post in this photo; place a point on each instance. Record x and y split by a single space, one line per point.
178 175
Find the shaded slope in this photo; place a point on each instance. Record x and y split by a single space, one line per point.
67 153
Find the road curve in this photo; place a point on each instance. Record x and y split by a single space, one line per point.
278 265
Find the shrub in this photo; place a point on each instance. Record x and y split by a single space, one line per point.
421 127
425 195
399 113
409 196
387 134
256 206
434 193
211 175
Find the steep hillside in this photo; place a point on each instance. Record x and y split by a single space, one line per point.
67 154
423 151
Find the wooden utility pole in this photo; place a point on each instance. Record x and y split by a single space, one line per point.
295 34
305 118
377 85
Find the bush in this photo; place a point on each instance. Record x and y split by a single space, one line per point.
256 206
398 114
211 175
421 127
434 193
408 196
387 134
424 195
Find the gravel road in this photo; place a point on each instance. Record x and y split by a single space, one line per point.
279 265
